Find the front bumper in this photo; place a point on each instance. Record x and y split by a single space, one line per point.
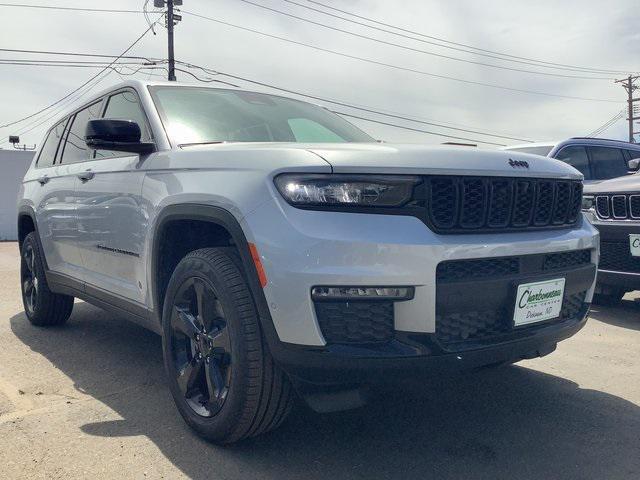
300 249
617 267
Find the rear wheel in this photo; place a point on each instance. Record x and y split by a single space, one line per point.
43 307
221 374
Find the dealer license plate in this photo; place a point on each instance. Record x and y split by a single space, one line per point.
634 244
539 301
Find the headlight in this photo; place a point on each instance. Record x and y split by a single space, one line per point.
588 203
338 190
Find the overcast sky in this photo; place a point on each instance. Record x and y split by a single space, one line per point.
585 33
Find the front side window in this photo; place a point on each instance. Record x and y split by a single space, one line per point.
48 152
607 163
576 157
125 106
633 154
75 148
193 115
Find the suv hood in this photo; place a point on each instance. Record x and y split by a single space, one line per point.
420 159
395 158
626 184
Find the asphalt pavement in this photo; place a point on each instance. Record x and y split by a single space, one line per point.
88 400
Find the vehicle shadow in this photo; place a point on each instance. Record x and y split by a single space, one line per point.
625 315
510 422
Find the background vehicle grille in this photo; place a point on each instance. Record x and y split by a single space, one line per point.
470 204
457 329
616 256
355 322
618 206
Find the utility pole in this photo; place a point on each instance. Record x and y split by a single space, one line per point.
629 85
172 20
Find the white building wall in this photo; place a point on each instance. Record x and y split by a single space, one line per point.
13 165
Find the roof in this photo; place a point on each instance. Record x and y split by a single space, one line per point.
580 140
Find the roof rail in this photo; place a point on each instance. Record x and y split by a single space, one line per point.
602 140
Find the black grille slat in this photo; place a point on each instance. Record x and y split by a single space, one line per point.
603 206
634 206
443 203
619 206
500 203
562 203
474 197
544 203
468 204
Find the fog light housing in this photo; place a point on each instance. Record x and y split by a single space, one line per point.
395 294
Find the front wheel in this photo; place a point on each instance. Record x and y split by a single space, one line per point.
220 372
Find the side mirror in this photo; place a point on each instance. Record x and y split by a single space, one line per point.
118 135
634 165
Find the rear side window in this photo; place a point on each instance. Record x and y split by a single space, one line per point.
607 163
48 152
125 106
75 149
576 157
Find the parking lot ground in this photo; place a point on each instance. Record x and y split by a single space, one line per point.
88 400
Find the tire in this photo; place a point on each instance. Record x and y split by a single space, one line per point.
42 307
611 298
222 377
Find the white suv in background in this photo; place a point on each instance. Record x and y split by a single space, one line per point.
596 158
278 249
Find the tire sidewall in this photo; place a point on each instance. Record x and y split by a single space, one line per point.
227 418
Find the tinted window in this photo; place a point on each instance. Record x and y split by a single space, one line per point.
125 106
540 150
200 115
633 154
75 149
577 158
48 151
607 163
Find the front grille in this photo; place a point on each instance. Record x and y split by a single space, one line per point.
619 206
464 270
616 256
457 330
355 322
471 204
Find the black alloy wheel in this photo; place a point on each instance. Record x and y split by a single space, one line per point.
201 347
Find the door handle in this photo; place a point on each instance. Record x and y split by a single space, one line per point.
43 179
86 176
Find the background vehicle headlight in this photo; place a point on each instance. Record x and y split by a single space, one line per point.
338 190
588 203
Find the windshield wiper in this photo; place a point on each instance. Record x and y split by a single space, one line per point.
203 143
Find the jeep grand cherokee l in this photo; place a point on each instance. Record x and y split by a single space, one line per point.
281 251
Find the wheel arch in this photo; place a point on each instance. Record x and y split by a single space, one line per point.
221 218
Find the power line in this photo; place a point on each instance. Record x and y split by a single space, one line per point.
76 54
417 129
418 50
597 70
396 67
607 124
450 47
355 107
81 86
76 9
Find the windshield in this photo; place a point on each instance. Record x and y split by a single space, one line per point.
205 115
538 150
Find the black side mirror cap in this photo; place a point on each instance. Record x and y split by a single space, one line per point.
118 135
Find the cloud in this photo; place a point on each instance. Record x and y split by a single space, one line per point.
570 32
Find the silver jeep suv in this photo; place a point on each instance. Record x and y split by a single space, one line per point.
281 252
